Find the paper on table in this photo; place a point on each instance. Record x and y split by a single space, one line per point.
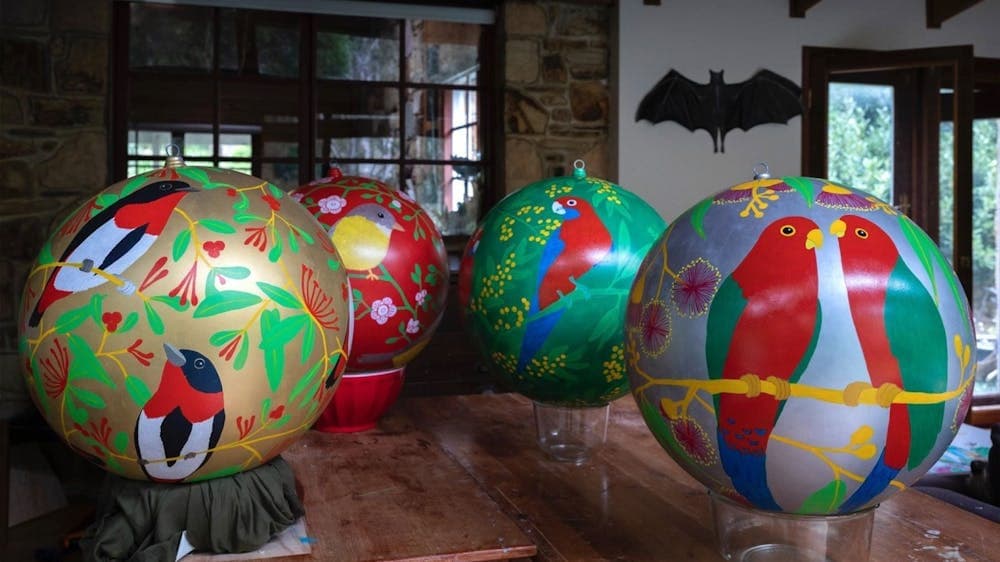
970 443
290 542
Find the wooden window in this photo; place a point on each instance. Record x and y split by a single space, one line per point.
285 96
942 104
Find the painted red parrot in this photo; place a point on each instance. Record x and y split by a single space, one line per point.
763 324
903 342
112 241
581 242
183 419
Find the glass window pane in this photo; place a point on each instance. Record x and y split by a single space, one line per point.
259 42
267 110
442 125
449 194
985 264
278 50
136 167
357 49
860 137
443 52
148 143
198 145
385 173
235 145
170 37
282 174
243 167
357 122
157 101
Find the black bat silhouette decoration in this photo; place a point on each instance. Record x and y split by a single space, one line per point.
717 107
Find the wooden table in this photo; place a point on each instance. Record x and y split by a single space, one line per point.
632 502
392 494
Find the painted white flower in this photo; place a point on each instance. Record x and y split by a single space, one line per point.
412 326
383 310
332 204
297 197
420 296
395 204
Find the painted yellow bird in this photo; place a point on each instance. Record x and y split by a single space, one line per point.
362 237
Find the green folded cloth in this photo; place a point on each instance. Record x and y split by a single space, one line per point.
143 521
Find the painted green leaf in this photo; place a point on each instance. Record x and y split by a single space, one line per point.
247 217
293 242
222 336
242 354
97 308
88 398
308 342
228 471
84 364
114 465
131 319
283 331
433 275
173 302
181 244
197 174
803 186
76 413
392 340
416 274
138 390
120 441
71 319
275 254
306 237
923 247
333 264
824 500
280 421
233 272
225 301
155 322
279 295
133 185
242 203
105 200
307 396
698 216
265 407
275 191
45 255
305 381
218 226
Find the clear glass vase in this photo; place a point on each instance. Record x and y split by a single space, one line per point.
571 434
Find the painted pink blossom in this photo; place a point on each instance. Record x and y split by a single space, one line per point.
693 439
655 328
838 197
421 296
332 205
412 326
383 310
694 288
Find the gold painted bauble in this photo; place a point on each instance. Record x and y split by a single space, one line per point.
185 324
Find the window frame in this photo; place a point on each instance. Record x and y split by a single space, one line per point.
488 90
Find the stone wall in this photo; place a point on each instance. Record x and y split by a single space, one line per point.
53 140
557 73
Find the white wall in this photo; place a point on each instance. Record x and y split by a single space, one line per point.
673 168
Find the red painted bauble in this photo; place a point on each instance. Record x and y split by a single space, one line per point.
396 264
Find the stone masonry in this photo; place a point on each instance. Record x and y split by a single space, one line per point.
53 141
557 90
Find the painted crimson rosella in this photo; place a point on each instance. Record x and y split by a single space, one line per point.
183 419
112 241
903 342
762 325
581 242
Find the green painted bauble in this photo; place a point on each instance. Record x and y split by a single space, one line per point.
545 287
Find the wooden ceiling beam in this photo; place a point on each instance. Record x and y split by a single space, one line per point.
797 8
940 10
